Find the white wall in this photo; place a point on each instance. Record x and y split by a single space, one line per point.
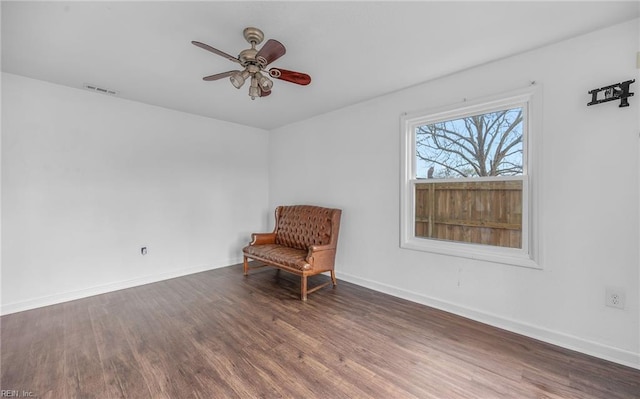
88 179
589 189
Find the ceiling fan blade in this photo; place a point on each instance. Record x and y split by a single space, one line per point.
290 76
271 51
215 51
219 76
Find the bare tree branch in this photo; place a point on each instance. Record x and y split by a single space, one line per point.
480 145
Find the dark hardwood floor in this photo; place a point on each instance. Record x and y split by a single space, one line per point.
219 335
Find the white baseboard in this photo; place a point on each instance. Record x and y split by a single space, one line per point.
567 341
110 287
616 355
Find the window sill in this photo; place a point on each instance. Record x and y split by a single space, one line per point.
508 256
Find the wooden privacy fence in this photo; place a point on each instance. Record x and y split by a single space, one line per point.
474 212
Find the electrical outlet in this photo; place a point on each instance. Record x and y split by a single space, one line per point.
615 297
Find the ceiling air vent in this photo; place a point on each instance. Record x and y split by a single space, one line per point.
100 89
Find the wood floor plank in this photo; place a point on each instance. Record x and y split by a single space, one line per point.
120 368
46 353
84 376
218 334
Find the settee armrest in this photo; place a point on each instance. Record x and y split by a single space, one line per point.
263 238
320 248
321 256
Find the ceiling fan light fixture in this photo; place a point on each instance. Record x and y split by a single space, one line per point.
255 61
254 91
264 82
238 78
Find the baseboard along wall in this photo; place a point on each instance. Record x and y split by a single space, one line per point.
110 287
567 341
616 355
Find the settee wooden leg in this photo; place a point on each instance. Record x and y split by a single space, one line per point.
303 289
333 278
246 267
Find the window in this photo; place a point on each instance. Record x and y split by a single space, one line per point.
467 174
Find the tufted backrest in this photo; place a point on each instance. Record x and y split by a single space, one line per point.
300 226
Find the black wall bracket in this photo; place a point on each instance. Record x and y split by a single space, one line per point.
618 91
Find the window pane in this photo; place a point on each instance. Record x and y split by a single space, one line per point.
482 212
480 145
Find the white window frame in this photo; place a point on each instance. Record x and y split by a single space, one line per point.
527 256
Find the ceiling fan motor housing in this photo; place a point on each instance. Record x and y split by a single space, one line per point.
247 56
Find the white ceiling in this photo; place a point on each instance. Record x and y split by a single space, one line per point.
353 51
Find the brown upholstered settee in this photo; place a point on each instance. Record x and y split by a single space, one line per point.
303 242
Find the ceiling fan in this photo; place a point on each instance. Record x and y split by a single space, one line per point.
254 63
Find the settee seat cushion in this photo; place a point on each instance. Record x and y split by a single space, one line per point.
286 256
